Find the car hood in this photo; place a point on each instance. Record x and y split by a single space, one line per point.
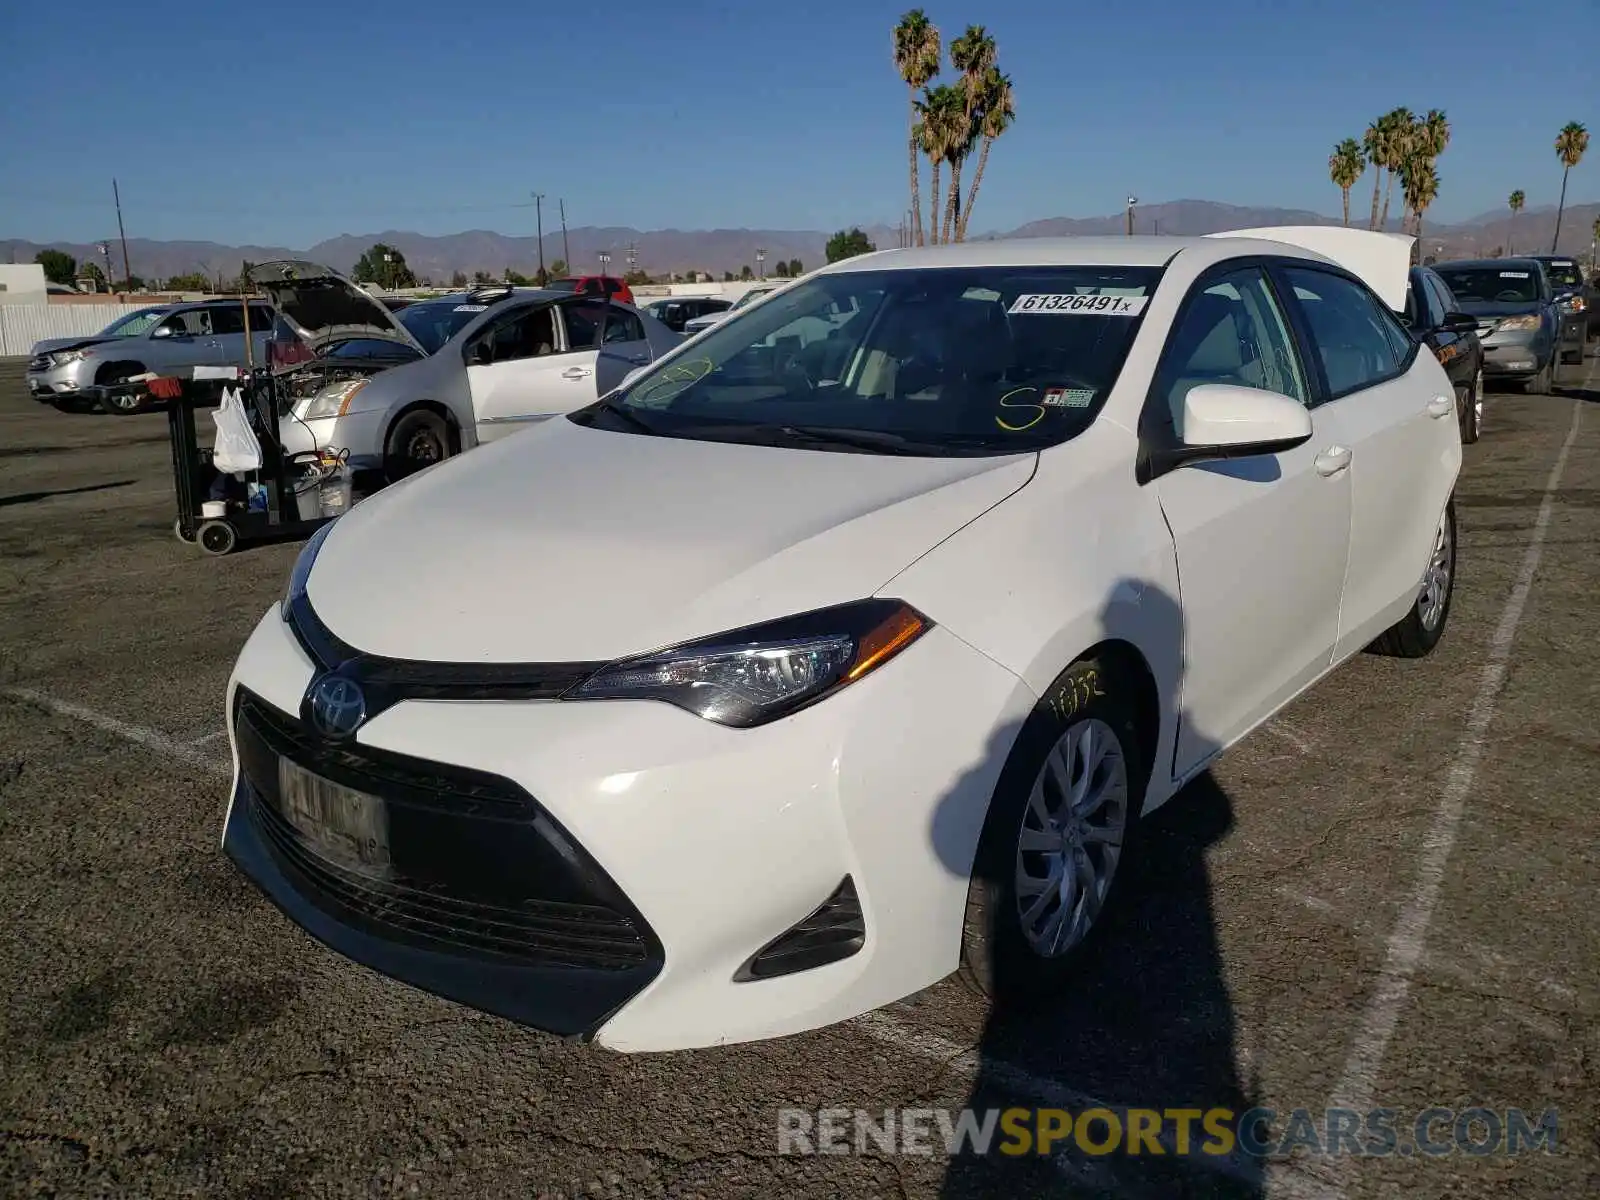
323 307
565 543
51 345
1489 308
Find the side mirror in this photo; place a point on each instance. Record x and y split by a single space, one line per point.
1224 420
1458 322
161 331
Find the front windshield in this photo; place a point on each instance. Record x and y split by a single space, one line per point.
985 360
134 323
750 297
435 322
1564 275
1491 285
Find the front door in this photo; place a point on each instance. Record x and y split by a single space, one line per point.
1261 542
513 367
606 341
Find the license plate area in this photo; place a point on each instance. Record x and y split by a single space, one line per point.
346 827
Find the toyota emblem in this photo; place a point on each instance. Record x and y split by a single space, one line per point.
337 706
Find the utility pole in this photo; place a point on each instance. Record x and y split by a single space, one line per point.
761 257
566 250
1132 200
633 257
538 218
127 271
105 253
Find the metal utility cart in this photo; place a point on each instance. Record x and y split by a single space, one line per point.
264 505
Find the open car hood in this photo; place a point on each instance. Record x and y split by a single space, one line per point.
323 307
1380 260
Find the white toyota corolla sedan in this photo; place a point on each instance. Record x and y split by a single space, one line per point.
799 672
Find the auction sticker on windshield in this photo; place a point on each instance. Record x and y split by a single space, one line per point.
471 308
1080 304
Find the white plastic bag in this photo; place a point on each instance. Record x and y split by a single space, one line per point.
236 449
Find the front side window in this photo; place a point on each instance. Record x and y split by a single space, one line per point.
527 334
1492 285
1232 332
194 323
975 360
1358 341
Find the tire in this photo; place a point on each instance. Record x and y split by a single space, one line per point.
121 406
1543 380
216 537
1471 410
417 440
177 532
1001 955
1418 632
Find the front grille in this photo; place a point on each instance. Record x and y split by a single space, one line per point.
478 867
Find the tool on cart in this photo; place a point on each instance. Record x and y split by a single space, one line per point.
278 495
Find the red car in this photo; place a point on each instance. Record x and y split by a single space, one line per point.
597 284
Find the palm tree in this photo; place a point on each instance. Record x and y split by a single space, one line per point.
1375 146
1345 165
1433 133
1421 186
916 56
1570 145
935 130
999 110
1397 150
973 54
1515 203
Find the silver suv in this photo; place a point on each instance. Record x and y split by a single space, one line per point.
168 339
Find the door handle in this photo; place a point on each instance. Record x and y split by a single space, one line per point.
576 373
1441 406
1333 460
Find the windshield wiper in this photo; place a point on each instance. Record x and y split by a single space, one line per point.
876 441
609 405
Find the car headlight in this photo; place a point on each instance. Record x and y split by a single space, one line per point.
334 400
1510 324
757 674
302 569
63 357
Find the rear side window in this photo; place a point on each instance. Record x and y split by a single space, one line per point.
1359 343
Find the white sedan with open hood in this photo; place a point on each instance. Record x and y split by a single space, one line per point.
797 672
400 391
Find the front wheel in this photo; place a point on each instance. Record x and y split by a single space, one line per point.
217 537
1061 829
418 439
1418 632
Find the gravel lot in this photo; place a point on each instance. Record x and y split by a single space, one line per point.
1388 893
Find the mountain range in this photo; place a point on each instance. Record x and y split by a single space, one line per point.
437 258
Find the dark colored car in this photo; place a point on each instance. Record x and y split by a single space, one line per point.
676 311
1525 330
597 285
1566 276
1435 319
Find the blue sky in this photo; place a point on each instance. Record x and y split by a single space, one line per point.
302 121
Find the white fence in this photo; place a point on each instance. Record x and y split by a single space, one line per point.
21 325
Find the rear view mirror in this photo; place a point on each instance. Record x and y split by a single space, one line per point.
1224 420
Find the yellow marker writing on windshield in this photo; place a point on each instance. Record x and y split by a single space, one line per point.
1021 407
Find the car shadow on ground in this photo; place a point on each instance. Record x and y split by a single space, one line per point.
34 497
1146 1023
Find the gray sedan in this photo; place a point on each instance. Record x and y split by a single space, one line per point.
402 390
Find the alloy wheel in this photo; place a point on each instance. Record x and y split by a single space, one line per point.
1436 581
1071 837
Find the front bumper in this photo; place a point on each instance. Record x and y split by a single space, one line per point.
1504 359
361 433
56 381
710 842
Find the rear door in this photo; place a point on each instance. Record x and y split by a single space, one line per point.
513 366
1390 406
1261 542
600 365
